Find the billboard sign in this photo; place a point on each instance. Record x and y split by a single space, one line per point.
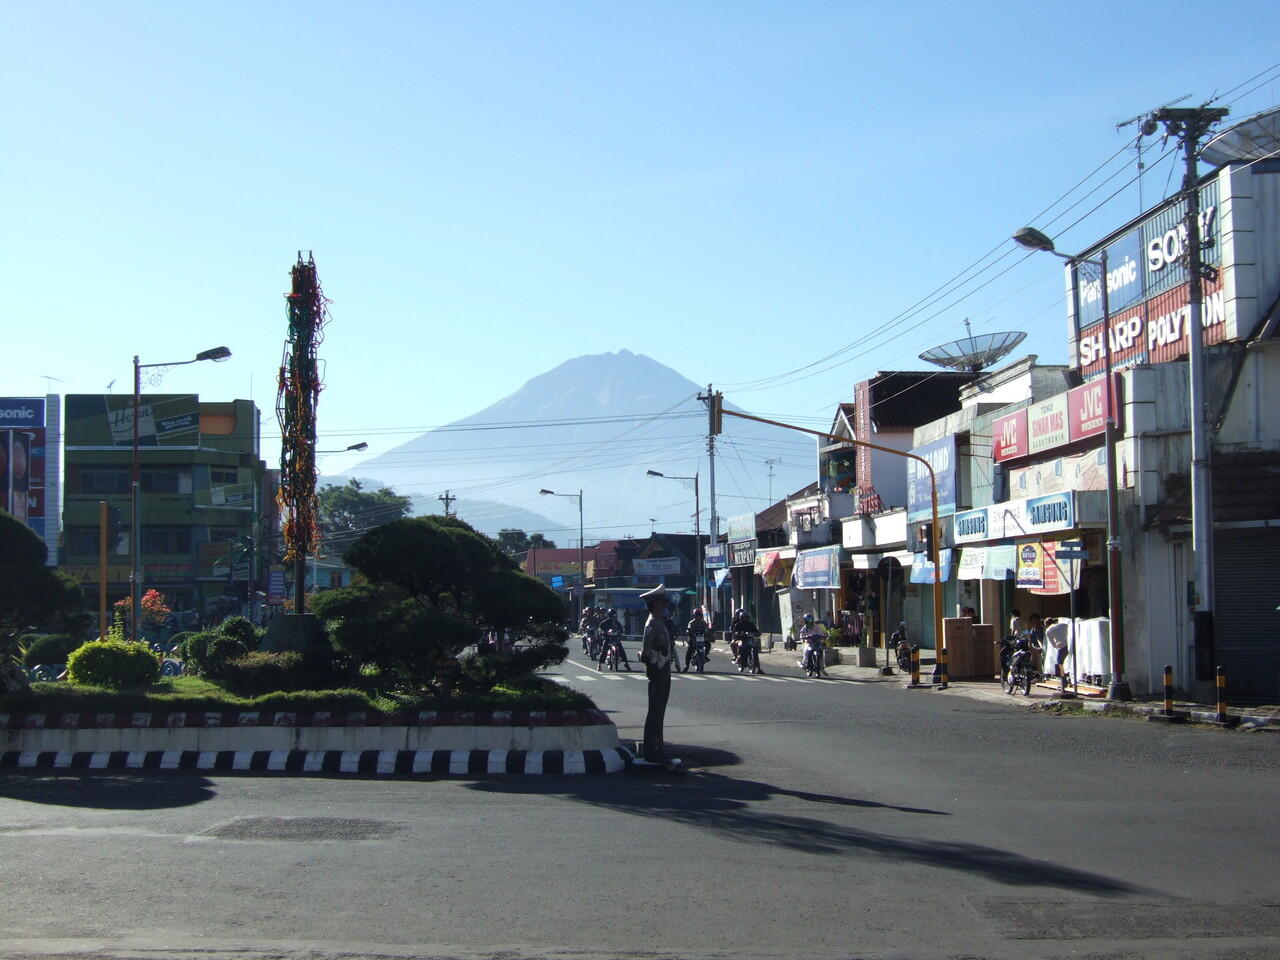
742 554
742 527
818 569
104 420
941 455
29 464
715 556
1009 436
656 566
1047 424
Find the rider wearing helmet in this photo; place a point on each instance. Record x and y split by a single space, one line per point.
697 631
608 624
813 638
745 631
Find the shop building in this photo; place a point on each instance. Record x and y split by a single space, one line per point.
1149 334
202 494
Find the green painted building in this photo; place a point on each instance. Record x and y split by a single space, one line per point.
206 497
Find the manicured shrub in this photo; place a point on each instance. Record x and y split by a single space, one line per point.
241 629
208 652
47 648
259 672
113 663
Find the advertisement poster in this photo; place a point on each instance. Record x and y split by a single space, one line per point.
941 456
818 569
1030 565
22 460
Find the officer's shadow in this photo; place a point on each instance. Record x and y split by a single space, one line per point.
739 809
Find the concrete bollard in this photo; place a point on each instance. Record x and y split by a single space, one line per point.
1221 718
915 683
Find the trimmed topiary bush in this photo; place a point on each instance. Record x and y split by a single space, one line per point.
113 663
47 648
208 652
259 672
242 630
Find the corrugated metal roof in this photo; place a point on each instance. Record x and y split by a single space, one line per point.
902 399
1246 486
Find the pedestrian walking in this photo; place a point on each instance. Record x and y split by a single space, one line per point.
657 653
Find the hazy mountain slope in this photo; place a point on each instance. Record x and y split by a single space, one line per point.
507 452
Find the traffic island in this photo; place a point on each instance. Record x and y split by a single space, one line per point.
428 742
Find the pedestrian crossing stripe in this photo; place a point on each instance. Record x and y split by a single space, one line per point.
727 677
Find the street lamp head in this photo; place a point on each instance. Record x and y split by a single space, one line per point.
1033 239
356 447
547 493
217 353
654 473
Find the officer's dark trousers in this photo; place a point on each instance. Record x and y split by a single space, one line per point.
659 691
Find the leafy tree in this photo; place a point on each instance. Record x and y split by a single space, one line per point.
516 543
31 594
346 512
428 587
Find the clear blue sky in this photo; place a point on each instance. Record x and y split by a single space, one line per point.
732 188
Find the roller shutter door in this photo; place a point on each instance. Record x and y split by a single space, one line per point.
1246 621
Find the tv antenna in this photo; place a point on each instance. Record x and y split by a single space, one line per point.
1148 129
973 353
50 381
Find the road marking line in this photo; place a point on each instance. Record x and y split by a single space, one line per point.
586 677
716 676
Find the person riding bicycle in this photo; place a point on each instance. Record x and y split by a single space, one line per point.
814 643
746 637
610 625
699 633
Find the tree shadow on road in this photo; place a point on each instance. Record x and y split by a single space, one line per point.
107 791
733 808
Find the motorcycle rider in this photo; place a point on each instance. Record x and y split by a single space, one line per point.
697 631
609 625
814 644
901 646
745 634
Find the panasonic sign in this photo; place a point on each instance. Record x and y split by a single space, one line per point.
21 412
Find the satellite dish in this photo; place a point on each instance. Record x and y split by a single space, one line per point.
1252 139
974 353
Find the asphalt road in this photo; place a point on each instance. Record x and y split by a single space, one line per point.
825 818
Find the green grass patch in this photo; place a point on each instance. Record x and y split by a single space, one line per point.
195 694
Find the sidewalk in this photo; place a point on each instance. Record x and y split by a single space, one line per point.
1039 698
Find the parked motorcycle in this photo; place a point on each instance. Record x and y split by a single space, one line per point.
1006 645
1024 666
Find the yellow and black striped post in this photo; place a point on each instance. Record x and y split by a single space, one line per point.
915 683
1168 714
942 668
1221 716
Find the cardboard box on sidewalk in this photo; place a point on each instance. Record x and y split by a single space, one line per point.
971 653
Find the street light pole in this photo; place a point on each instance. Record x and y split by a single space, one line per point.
135 536
582 567
699 573
1118 689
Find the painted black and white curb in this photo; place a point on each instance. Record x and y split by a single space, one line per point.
367 762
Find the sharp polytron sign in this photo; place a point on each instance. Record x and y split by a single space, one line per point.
1148 293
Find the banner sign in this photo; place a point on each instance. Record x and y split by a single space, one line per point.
818 569
1081 471
1002 560
922 567
742 554
1030 565
1059 575
1047 424
715 556
941 455
721 576
970 525
104 420
973 561
656 566
742 527
1069 417
1009 436
29 467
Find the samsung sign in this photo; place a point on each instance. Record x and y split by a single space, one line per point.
21 412
971 525
1017 518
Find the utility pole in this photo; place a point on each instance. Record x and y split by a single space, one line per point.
447 500
710 400
1190 124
